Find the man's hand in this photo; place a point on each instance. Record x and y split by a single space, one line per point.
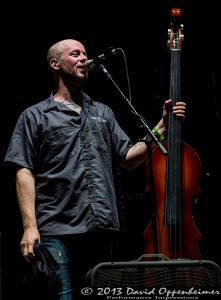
178 110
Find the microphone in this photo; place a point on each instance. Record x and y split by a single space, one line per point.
91 63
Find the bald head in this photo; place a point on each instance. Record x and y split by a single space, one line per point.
56 50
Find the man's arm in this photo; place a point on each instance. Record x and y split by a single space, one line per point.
138 153
25 189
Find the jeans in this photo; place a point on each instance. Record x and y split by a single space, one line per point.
76 255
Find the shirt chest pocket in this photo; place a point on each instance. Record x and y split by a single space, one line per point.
60 144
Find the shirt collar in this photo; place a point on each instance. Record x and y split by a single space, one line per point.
52 104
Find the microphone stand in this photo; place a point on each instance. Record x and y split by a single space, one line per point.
151 136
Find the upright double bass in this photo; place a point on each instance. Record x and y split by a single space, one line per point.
174 178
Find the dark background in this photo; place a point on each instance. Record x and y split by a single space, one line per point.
140 29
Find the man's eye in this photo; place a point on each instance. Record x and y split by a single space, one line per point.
76 53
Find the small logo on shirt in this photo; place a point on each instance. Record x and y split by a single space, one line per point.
99 119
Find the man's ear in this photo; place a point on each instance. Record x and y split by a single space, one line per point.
54 63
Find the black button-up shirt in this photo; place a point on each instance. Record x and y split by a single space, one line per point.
71 156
